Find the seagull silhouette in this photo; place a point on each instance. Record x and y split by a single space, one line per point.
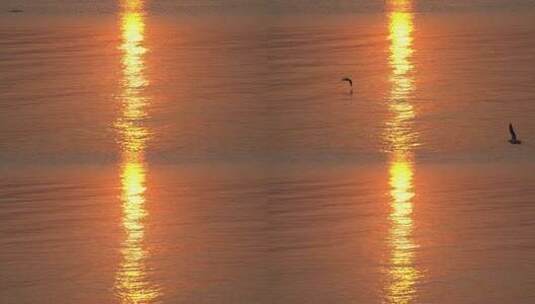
513 139
350 83
348 80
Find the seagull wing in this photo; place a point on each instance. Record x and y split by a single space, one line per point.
512 131
348 80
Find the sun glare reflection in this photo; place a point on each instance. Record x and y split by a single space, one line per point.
401 139
132 283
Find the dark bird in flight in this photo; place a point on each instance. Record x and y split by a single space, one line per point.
15 11
513 139
350 83
348 80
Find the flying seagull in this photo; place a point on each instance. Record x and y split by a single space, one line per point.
513 139
350 83
348 80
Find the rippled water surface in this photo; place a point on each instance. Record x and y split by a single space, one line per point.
208 152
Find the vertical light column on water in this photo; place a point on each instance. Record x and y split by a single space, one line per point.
132 283
401 139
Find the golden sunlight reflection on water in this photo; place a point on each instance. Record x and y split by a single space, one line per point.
401 138
132 282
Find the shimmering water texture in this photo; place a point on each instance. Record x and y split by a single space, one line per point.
133 284
402 273
207 152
